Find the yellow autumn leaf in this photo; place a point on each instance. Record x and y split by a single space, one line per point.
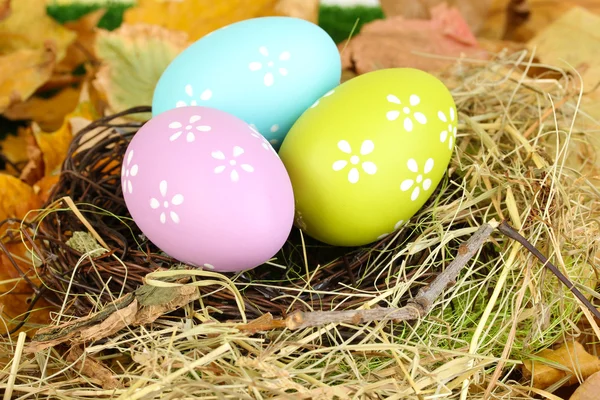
82 49
133 59
28 26
48 113
16 197
14 147
23 72
200 17
55 145
570 359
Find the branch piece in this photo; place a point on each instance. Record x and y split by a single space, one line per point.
416 308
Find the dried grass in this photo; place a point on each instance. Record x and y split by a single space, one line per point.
523 155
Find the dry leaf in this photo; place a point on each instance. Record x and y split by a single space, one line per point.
133 59
572 39
157 301
16 292
55 145
14 147
87 365
48 113
16 198
395 42
572 356
4 9
142 307
91 326
23 72
263 323
34 169
589 390
305 9
473 11
43 188
200 17
29 27
83 48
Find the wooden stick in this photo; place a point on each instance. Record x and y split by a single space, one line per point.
416 308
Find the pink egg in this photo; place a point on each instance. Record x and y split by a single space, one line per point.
207 189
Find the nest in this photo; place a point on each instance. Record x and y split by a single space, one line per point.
91 178
519 157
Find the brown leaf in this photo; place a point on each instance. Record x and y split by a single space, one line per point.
473 11
88 366
82 49
170 299
571 356
48 113
29 27
263 323
589 390
22 72
34 170
4 9
16 292
394 42
142 307
98 325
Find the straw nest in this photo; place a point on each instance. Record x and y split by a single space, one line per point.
522 155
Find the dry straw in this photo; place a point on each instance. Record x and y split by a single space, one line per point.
523 155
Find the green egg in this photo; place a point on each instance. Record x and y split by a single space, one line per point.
367 155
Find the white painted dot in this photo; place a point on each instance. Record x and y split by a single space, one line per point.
354 160
419 178
232 162
274 128
406 110
188 127
166 204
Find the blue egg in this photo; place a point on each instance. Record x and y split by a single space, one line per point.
266 71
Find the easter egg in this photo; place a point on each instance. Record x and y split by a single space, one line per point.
266 71
367 155
207 189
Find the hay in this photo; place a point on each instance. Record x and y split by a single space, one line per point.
522 155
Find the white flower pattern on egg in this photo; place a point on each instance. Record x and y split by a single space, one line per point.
396 227
419 181
192 124
128 171
265 143
269 77
368 167
233 162
165 204
418 116
450 132
189 91
316 103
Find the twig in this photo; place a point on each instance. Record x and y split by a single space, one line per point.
510 232
416 308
